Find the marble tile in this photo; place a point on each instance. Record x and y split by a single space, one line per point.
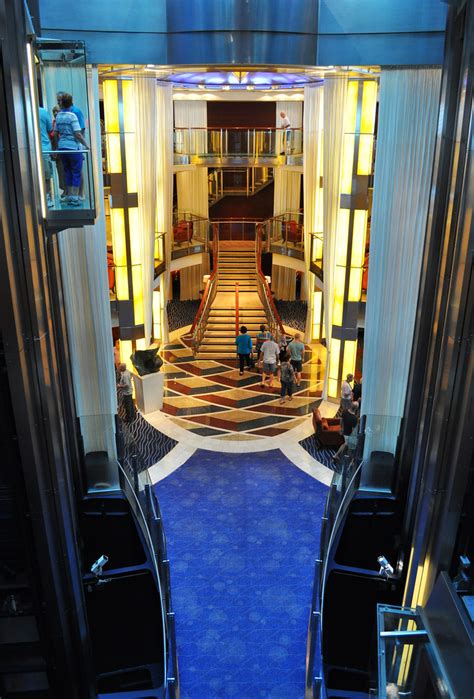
186 405
237 398
238 420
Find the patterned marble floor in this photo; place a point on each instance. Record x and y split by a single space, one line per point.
210 398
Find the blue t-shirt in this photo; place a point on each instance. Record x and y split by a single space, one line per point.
244 344
80 116
46 126
66 126
296 350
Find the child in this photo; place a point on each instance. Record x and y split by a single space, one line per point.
287 377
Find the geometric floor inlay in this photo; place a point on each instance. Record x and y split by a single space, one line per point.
210 398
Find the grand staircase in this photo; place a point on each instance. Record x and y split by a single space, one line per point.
236 264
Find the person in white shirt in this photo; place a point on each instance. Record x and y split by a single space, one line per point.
125 384
346 393
285 126
270 354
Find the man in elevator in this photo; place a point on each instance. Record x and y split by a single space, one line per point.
286 133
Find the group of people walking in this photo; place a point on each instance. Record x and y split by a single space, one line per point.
282 358
351 396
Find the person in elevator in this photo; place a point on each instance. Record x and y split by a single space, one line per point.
46 126
296 350
244 349
125 383
270 354
286 133
68 137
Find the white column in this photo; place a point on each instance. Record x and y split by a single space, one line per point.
408 117
192 184
164 175
83 255
335 90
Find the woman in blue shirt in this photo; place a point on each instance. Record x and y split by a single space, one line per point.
244 348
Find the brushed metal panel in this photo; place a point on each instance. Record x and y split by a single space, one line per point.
381 16
241 48
381 49
238 15
107 16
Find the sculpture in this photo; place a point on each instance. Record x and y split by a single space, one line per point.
147 361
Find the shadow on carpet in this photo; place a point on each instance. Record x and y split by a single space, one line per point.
324 456
243 535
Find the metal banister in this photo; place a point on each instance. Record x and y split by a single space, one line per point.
236 308
198 327
264 292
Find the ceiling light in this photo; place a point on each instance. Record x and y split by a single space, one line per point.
250 87
226 87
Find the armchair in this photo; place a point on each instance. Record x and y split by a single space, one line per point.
327 431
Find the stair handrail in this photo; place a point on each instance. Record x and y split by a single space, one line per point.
236 308
274 321
198 327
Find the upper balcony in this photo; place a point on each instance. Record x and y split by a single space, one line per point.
209 147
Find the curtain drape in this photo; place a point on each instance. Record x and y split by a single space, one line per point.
83 256
146 135
164 177
408 116
312 173
192 184
190 282
335 90
287 184
283 283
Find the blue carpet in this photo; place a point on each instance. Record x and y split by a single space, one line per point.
243 534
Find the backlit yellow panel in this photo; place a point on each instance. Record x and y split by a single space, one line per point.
347 163
364 162
339 284
131 160
114 156
369 104
355 284
317 305
342 236
125 353
333 388
117 222
111 110
129 114
350 350
359 230
121 283
141 344
138 305
350 115
334 358
157 314
135 243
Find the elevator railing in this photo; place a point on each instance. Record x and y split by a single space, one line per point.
199 325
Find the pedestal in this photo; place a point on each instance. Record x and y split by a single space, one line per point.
149 392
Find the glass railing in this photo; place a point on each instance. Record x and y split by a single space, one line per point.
68 180
379 448
137 485
159 254
231 142
285 234
316 253
190 234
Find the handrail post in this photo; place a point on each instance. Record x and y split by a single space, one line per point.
236 308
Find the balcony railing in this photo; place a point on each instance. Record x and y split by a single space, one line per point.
247 181
275 325
256 142
284 234
190 234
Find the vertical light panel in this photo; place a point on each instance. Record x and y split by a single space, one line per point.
125 353
317 313
349 361
112 127
117 223
157 314
129 117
